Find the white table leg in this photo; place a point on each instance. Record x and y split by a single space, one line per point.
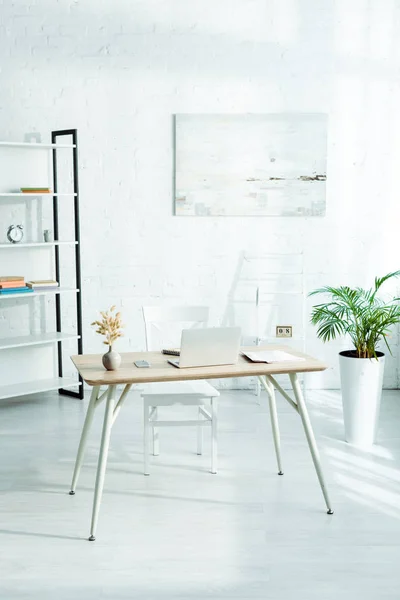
269 388
310 437
199 434
146 437
214 430
156 435
82 443
101 467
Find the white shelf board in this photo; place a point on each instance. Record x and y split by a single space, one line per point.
33 387
39 244
35 339
34 194
36 145
58 290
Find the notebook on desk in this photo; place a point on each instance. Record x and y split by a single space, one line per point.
272 356
171 351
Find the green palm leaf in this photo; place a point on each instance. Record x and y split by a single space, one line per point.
357 312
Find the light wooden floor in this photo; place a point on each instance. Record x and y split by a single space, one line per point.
184 533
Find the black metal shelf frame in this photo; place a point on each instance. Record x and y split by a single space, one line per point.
54 137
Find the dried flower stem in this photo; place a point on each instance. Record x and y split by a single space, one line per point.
109 325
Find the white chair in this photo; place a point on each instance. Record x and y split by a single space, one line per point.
163 328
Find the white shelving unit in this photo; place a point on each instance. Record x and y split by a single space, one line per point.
27 194
35 145
34 387
35 339
59 290
38 244
19 167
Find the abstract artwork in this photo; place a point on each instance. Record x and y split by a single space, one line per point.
250 164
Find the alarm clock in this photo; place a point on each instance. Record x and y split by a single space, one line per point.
15 233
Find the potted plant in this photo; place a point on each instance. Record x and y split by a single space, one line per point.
110 326
367 320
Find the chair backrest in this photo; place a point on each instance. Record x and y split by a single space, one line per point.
163 324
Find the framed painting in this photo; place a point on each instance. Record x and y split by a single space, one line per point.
250 164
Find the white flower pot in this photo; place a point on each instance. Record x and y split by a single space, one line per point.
361 382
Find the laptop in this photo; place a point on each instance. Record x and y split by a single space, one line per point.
208 347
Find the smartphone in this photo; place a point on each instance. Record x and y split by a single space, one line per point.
142 363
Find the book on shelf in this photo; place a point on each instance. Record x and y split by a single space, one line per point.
17 290
35 190
272 356
45 288
9 278
42 284
4 285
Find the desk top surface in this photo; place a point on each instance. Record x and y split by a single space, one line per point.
93 373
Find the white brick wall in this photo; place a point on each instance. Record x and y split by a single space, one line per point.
118 69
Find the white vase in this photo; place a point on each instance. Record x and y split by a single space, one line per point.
361 382
111 360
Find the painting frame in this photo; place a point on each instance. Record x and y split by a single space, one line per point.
250 164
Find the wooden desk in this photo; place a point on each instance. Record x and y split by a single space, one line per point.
93 373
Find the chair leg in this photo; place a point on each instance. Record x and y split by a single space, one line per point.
214 430
156 439
310 438
200 435
146 438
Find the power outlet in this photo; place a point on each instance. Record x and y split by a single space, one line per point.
284 331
